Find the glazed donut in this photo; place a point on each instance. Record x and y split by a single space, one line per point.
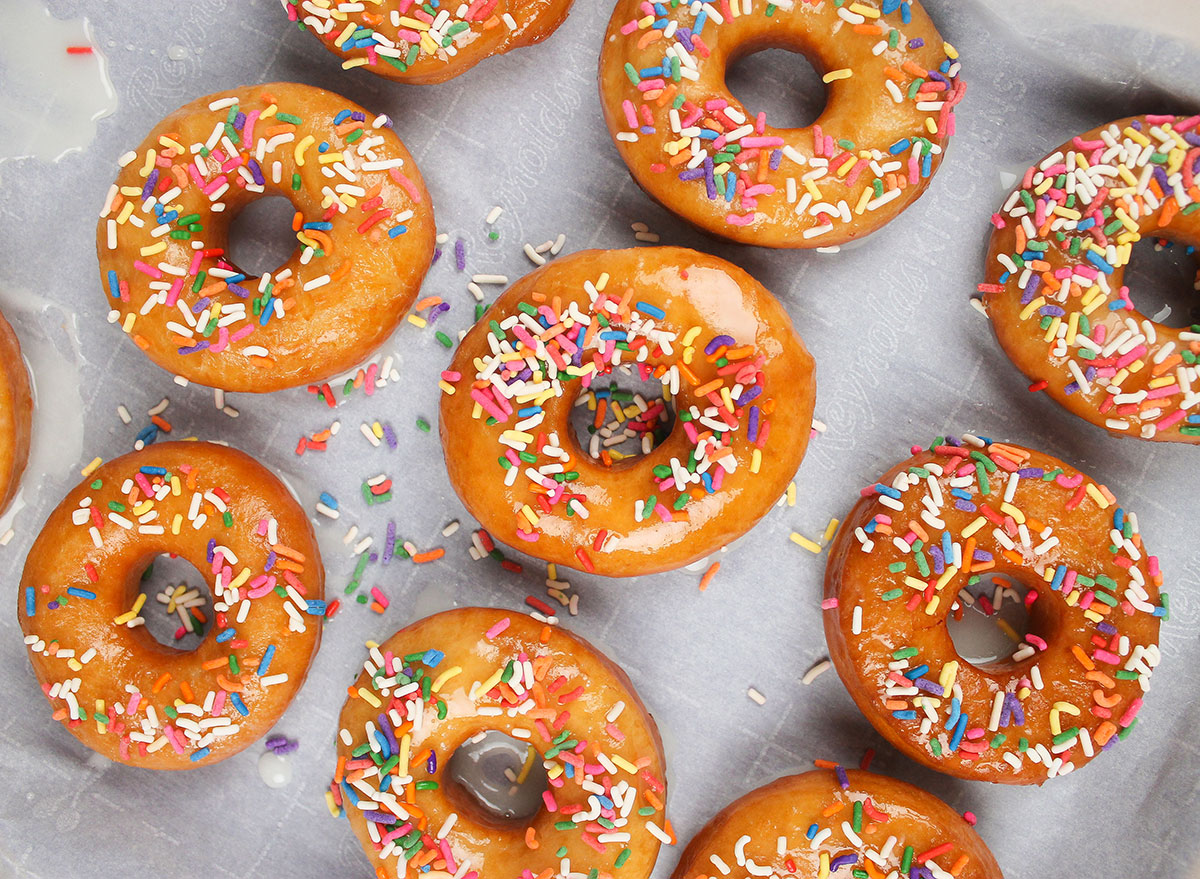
696 149
16 414
449 681
109 681
819 822
415 42
1056 264
686 319
901 564
363 223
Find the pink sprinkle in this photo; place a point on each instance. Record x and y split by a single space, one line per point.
740 220
499 627
829 604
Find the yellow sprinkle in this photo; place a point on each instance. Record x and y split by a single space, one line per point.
756 461
811 546
447 388
950 51
332 805
529 514
974 526
949 673
932 607
176 523
823 866
369 697
405 745
791 494
445 676
345 34
1017 515
91 467
949 574
130 320
1008 630
834 75
1094 494
354 62
303 145
417 321
1033 306
151 155
623 764
329 158
490 682
377 429
831 530
552 571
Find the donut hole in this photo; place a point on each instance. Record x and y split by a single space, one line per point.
991 628
1164 281
261 238
496 779
622 418
176 608
780 82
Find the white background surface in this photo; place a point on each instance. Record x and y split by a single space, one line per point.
901 357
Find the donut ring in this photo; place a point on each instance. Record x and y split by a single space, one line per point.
1054 286
110 683
892 86
441 682
828 820
393 38
364 228
630 518
16 414
1072 688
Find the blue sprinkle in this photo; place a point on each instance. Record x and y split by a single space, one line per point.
265 662
114 286
200 755
329 500
653 310
81 593
30 601
397 230
224 635
316 607
236 699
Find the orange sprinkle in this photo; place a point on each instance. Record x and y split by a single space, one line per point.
429 556
161 682
708 575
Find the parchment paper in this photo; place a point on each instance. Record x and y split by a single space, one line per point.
902 357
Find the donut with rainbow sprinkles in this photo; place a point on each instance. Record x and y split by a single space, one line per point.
893 84
925 541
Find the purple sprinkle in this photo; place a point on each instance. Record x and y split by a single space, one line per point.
717 342
386 725
842 777
965 506
201 304
939 560
389 546
271 559
52 605
691 174
275 741
148 189
200 346
210 553
1107 628
358 116
776 159
437 311
982 555
239 121
752 425
389 436
748 395
431 763
842 861
1071 388
684 35
1051 311
460 255
286 748
240 292
380 818
710 183
931 687
1192 138
916 43
437 254
1031 472
256 171
1136 124
1031 289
